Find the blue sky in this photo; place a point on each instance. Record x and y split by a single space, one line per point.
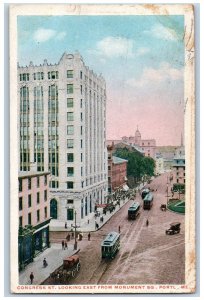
141 58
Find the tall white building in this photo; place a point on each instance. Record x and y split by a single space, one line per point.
62 127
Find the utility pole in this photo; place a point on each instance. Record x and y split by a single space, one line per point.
75 227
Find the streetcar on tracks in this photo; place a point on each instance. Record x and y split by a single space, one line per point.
144 193
110 245
148 201
133 211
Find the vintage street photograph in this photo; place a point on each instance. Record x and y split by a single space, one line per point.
102 149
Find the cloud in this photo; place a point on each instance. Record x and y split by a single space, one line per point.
61 35
161 32
114 47
142 51
43 35
157 76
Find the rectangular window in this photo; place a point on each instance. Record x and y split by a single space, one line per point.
21 221
38 181
29 183
70 116
70 129
20 203
81 89
29 201
81 75
38 198
70 214
70 88
81 116
81 143
81 103
70 157
70 102
81 157
45 195
70 201
45 212
81 130
70 73
70 144
20 186
38 215
70 171
29 219
70 184
45 180
81 171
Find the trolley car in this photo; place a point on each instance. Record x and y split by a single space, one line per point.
133 211
148 201
110 245
144 193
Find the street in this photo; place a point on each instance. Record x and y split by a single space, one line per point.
146 256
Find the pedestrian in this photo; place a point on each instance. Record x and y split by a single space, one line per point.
65 225
147 222
119 228
62 245
65 245
89 236
31 278
68 237
45 263
88 221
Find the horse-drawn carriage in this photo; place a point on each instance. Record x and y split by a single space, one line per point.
69 269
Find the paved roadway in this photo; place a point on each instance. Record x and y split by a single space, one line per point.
147 255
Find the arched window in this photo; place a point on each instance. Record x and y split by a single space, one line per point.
53 208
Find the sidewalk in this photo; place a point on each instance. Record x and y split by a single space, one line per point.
55 254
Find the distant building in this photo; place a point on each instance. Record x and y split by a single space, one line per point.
178 166
147 146
159 165
117 171
34 214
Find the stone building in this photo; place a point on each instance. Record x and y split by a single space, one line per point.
62 127
147 146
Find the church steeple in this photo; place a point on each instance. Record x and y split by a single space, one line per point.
137 137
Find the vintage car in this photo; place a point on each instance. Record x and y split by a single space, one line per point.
69 269
163 207
174 228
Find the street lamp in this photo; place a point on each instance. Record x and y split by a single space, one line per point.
75 227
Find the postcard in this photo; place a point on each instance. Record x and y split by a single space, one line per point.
102 135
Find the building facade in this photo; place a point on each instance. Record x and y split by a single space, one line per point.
148 147
34 214
62 127
117 171
178 166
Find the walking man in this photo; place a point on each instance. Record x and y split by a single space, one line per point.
62 245
89 236
31 278
147 222
119 228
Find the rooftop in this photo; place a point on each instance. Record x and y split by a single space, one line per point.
118 160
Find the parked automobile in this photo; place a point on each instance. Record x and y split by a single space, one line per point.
174 228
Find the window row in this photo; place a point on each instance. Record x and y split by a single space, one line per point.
70 143
30 182
29 203
38 217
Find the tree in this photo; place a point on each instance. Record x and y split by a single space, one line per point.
138 165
